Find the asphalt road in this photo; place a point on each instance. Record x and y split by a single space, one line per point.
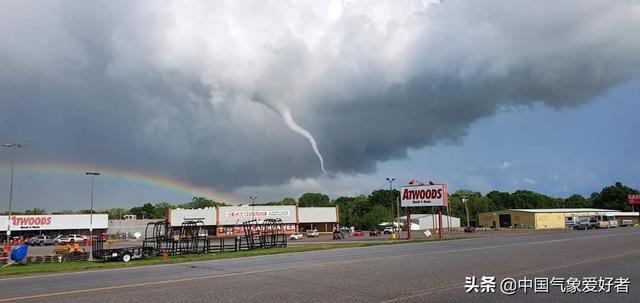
423 272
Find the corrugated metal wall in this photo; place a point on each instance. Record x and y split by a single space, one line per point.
317 214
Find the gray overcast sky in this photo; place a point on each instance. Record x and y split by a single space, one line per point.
481 95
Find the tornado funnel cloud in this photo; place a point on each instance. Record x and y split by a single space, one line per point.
285 113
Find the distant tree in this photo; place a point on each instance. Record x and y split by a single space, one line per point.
577 201
314 200
138 212
383 197
116 213
376 216
161 210
288 201
64 212
353 210
501 200
476 204
201 202
285 201
613 197
35 211
146 211
347 207
456 208
529 199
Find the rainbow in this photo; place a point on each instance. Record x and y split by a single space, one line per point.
121 174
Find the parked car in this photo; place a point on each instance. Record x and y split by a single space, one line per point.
585 223
296 236
374 233
56 239
469 229
338 235
358 233
71 239
41 240
388 230
313 233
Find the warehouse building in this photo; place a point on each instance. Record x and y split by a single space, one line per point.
228 220
324 219
536 218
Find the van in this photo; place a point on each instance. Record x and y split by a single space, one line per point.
606 221
570 222
613 222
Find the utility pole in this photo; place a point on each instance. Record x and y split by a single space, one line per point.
398 217
92 174
466 209
13 147
390 180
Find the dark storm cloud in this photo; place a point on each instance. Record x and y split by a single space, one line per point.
170 88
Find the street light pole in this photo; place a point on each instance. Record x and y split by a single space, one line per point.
398 216
466 209
253 206
92 174
13 147
390 180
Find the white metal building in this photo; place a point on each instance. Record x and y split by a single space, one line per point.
429 221
324 219
227 220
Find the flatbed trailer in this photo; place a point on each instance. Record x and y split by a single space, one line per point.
125 254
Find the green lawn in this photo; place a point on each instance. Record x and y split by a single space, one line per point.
20 269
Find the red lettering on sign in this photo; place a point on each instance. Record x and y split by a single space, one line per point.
30 220
422 194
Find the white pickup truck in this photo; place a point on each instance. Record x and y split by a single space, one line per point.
313 233
605 221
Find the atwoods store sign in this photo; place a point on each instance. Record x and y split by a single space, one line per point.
30 222
424 195
54 222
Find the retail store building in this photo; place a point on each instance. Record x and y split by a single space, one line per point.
536 218
228 220
32 225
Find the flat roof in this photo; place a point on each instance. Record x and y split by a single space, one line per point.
624 213
420 216
564 210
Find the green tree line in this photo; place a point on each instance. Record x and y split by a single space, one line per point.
368 211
